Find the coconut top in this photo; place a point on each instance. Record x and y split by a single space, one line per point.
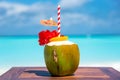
58 43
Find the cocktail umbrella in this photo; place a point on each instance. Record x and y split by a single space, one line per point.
50 22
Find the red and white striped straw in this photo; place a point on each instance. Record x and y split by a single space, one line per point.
58 20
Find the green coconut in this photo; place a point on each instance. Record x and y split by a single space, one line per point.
61 60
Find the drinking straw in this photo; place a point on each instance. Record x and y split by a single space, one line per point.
58 20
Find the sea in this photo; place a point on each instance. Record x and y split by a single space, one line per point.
25 51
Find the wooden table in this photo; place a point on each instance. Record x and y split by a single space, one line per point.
41 73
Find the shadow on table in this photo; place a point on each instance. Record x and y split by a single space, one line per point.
43 73
39 72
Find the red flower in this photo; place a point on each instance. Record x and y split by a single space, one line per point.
45 36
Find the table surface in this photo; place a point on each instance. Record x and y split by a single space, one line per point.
41 73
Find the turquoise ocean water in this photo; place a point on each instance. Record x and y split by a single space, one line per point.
25 51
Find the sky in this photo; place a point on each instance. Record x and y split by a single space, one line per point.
78 17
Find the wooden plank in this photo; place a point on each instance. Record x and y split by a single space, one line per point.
12 74
41 73
114 74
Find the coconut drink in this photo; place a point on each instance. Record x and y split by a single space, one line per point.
61 55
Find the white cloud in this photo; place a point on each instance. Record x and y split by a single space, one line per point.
25 15
22 15
17 8
73 3
14 8
79 18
